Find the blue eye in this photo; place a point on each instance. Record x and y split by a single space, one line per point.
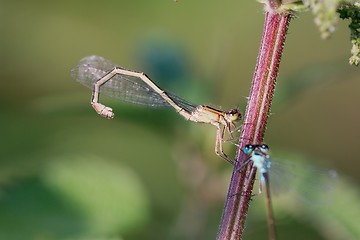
248 149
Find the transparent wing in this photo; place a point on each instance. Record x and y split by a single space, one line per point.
123 87
308 183
190 107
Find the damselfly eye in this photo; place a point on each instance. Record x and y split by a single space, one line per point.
248 149
264 147
234 115
233 111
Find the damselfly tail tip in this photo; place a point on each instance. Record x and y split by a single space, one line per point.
103 111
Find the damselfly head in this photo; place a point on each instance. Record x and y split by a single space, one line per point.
261 150
258 148
233 115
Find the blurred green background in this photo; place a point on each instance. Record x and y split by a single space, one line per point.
67 173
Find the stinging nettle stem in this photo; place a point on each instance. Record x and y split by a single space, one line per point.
263 85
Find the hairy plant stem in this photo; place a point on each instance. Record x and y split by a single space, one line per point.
263 84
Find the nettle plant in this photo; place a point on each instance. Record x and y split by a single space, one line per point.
278 15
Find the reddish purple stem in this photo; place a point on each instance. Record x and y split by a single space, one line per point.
256 115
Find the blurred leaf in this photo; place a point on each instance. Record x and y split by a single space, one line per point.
30 210
76 198
110 195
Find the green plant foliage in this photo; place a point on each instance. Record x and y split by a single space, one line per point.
324 15
110 195
352 12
